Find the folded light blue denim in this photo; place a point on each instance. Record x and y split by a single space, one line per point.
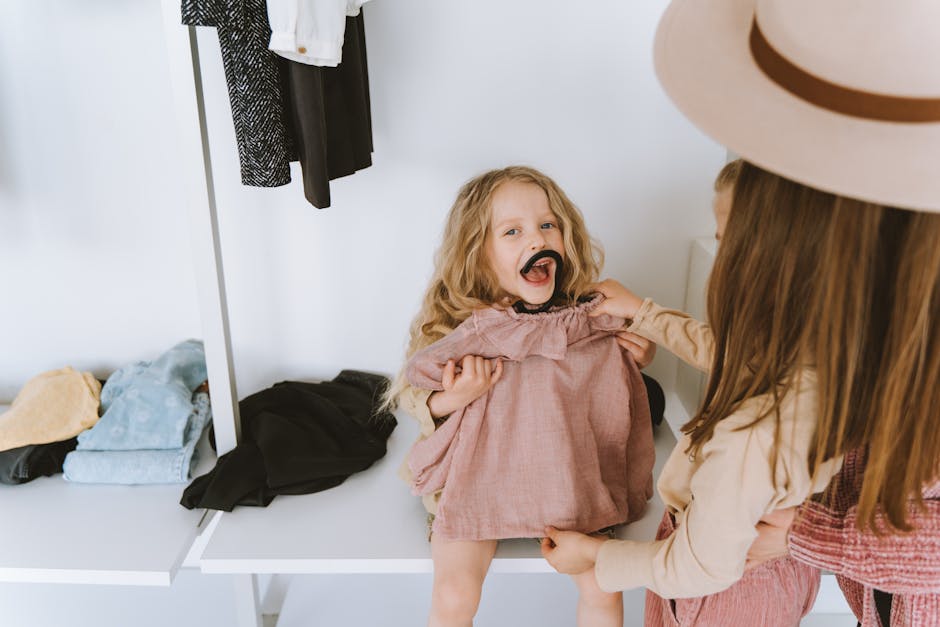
147 405
143 466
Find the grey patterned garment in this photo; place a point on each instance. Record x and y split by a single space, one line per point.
256 86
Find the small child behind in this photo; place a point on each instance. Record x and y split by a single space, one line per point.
745 454
532 412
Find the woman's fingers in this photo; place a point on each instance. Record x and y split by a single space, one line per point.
497 371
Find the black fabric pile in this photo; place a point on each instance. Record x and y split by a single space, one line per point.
657 399
298 438
25 463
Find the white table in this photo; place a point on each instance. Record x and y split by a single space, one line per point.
53 531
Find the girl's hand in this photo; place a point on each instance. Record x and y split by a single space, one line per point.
642 349
570 552
771 541
475 377
619 302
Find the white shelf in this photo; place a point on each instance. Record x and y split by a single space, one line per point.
676 416
53 531
369 524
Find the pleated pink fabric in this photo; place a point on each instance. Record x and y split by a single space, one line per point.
777 593
826 534
563 439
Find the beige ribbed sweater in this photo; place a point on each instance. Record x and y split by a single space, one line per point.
718 496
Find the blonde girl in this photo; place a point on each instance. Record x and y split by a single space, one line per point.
531 410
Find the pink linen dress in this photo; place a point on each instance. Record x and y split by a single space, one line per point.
563 439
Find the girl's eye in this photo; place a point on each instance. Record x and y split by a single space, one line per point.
549 225
511 232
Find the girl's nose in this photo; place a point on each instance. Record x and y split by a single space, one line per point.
537 241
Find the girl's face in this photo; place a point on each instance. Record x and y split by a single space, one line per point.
522 224
721 206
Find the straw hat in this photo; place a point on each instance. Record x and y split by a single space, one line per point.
841 95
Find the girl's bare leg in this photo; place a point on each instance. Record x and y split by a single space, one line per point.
597 608
459 570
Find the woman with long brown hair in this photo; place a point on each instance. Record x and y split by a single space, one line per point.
840 107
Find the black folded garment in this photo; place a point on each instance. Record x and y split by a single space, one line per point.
298 438
657 399
25 463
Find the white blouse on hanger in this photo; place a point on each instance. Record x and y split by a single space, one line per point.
310 31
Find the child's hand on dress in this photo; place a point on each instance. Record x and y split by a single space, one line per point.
475 377
570 552
619 301
771 541
642 349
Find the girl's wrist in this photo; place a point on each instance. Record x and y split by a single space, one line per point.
442 403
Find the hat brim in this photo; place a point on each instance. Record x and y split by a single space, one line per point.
704 62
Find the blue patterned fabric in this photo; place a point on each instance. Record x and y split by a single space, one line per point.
143 466
147 405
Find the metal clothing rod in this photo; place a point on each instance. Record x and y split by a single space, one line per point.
196 166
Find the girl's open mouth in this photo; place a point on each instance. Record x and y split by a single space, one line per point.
540 272
540 268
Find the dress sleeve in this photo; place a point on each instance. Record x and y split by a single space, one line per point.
425 369
687 338
899 563
730 491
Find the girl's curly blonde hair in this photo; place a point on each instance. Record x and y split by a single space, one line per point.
463 280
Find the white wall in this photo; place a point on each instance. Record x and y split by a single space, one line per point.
94 248
95 262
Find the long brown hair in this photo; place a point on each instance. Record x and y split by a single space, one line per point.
850 289
878 354
757 293
463 280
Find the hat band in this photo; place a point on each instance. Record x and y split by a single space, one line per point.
834 97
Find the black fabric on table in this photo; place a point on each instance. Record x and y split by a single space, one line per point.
25 463
298 438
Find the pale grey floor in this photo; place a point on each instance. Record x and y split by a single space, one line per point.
197 600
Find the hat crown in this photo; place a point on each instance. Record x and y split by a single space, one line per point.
888 47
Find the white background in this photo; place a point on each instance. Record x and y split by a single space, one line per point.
94 244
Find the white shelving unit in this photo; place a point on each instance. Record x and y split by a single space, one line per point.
53 531
370 524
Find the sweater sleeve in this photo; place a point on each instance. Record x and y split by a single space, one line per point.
687 338
899 563
415 402
730 491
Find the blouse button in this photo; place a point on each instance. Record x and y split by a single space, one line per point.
302 50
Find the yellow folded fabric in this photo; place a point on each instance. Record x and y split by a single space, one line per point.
52 406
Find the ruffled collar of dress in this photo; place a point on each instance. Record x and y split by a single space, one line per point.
587 304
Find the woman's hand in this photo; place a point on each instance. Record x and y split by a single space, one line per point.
570 552
475 376
642 349
619 301
771 541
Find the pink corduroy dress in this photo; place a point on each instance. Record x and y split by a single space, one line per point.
564 438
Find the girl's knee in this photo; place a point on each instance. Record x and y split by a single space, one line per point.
600 599
591 593
456 597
